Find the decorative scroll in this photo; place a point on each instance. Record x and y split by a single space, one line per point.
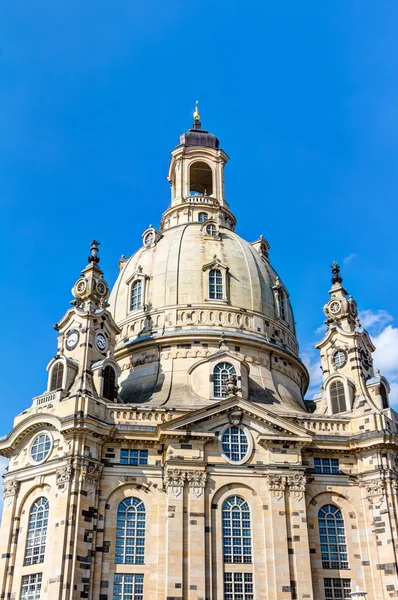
277 484
296 484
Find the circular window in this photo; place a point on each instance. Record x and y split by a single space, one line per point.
149 238
211 229
339 358
41 447
236 444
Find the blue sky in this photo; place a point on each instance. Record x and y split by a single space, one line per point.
303 96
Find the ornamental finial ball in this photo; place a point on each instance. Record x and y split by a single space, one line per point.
196 114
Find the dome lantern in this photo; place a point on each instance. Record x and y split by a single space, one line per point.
196 177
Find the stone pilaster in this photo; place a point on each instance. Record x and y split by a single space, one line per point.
196 535
174 481
279 569
9 535
301 580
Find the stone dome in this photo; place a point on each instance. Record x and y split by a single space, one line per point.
176 278
196 295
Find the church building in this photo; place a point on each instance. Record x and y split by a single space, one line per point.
173 456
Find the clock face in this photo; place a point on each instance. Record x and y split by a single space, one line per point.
81 286
101 288
72 339
100 341
334 307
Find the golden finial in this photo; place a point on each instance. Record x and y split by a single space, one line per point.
196 114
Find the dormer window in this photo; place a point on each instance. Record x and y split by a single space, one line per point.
200 179
136 295
57 376
211 229
215 284
203 217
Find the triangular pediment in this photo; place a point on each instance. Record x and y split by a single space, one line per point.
235 410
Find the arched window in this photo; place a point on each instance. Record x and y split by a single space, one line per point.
200 179
332 538
221 373
202 217
108 389
384 398
236 532
215 284
37 532
57 375
337 397
136 295
130 532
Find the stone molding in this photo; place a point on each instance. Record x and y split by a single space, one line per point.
90 474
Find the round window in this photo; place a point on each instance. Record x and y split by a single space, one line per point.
211 229
339 358
41 448
235 444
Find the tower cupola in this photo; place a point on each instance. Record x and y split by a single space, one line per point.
196 177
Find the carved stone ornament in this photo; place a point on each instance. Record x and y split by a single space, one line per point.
11 488
197 482
235 416
64 475
277 485
174 480
230 386
296 484
90 475
375 491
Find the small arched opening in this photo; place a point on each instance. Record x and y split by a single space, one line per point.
200 179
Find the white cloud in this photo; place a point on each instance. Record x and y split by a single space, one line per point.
321 330
349 258
3 466
374 320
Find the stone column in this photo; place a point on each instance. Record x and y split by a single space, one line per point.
300 549
278 568
196 536
174 481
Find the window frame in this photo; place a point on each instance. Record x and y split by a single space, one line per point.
135 504
236 504
104 382
323 467
32 442
203 214
333 588
32 526
232 371
129 458
134 594
136 283
249 439
38 584
216 265
339 351
327 532
340 397
232 593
